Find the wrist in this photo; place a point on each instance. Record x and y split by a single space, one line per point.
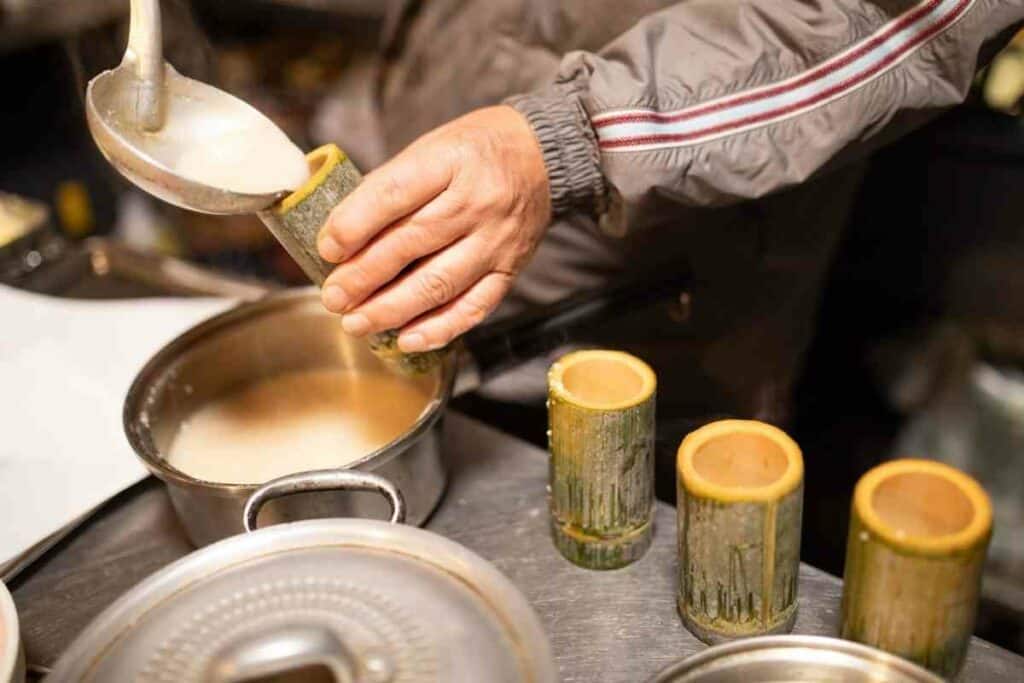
569 148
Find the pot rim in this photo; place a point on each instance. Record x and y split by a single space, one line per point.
137 394
696 662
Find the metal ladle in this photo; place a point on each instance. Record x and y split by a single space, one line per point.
144 116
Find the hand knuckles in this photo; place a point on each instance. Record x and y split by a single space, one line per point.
436 288
452 205
411 242
356 279
388 190
473 312
496 195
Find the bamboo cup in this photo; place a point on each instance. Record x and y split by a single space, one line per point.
919 532
601 437
296 221
739 506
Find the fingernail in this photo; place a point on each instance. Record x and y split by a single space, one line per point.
355 324
412 343
335 298
330 250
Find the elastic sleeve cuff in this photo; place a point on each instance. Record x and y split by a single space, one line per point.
569 147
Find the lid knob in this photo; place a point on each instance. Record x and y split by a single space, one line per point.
282 649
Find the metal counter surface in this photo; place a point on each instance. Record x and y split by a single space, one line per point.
605 627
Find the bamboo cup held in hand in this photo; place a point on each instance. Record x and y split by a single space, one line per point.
919 531
739 504
296 221
601 437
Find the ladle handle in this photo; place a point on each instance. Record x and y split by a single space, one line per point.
146 57
322 480
498 346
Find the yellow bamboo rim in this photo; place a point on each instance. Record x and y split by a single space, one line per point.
601 380
322 161
756 462
915 494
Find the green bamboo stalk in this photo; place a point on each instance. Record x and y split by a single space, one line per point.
296 221
739 506
601 438
916 548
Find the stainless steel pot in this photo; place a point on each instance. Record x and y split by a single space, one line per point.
793 659
291 331
283 333
352 600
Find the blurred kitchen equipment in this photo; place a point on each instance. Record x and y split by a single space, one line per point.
342 599
740 504
19 217
27 238
794 659
601 438
146 117
98 268
919 532
293 331
12 652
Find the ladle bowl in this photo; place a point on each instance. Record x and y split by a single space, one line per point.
167 133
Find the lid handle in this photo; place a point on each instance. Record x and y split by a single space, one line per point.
323 480
284 648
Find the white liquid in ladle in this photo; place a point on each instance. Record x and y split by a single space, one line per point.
244 159
318 419
213 138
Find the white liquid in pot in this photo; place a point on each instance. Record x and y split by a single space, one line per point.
318 419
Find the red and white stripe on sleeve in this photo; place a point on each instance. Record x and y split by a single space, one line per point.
631 130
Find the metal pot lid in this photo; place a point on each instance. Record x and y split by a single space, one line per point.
368 601
792 659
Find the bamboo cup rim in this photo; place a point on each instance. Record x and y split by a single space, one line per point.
322 161
591 379
968 532
782 451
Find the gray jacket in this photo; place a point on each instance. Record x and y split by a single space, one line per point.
650 111
707 102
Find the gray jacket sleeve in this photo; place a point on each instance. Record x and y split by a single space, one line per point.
709 102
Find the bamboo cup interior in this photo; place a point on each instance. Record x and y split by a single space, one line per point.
741 460
922 504
321 161
602 380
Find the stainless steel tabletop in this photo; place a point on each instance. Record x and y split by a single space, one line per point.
605 627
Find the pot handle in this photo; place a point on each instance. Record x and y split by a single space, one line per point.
280 650
323 480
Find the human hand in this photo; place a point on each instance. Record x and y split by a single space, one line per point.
465 205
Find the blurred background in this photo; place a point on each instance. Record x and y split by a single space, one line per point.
919 349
